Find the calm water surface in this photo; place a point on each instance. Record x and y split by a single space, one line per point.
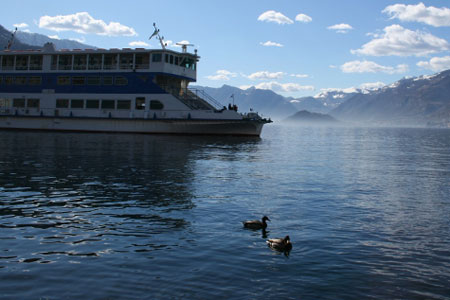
104 216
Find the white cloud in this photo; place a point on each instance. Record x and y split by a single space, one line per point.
436 64
222 75
56 37
372 85
271 44
265 75
274 16
399 41
139 44
299 75
245 87
172 44
431 15
82 22
367 66
21 25
283 87
303 18
340 28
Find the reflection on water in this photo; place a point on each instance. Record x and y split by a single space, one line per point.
88 191
106 216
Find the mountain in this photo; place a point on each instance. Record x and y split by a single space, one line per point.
266 102
417 101
306 117
36 39
5 36
325 101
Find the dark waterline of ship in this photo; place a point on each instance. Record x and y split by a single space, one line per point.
106 216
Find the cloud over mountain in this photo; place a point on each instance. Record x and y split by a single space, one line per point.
400 41
366 66
82 22
436 64
222 75
430 15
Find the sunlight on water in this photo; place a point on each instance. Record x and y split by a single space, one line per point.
147 217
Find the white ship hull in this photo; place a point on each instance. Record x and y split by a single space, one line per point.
122 125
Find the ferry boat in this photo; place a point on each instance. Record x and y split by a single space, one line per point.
116 90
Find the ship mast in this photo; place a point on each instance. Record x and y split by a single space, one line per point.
161 39
11 40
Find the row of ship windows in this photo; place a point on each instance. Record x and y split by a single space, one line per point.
116 61
67 80
88 104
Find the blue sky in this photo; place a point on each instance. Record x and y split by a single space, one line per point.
296 48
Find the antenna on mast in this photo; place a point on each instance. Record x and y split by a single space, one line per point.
161 39
11 40
184 46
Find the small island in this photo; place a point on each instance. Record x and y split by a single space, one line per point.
306 117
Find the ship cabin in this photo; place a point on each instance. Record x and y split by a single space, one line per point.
118 81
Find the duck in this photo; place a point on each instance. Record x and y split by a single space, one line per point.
257 224
281 244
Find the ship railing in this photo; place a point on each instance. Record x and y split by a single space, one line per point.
193 98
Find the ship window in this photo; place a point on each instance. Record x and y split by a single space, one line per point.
79 62
107 80
156 57
93 80
166 58
63 80
77 103
20 80
126 61
33 103
65 62
156 104
5 103
142 61
95 62
108 104
120 80
110 62
7 62
22 62
9 80
62 103
54 62
35 62
1 79
35 80
123 104
19 103
140 103
92 103
78 80
176 60
171 59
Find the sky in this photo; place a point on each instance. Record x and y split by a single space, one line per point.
295 48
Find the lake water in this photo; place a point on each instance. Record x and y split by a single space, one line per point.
106 216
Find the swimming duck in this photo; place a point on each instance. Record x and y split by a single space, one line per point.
282 244
257 224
